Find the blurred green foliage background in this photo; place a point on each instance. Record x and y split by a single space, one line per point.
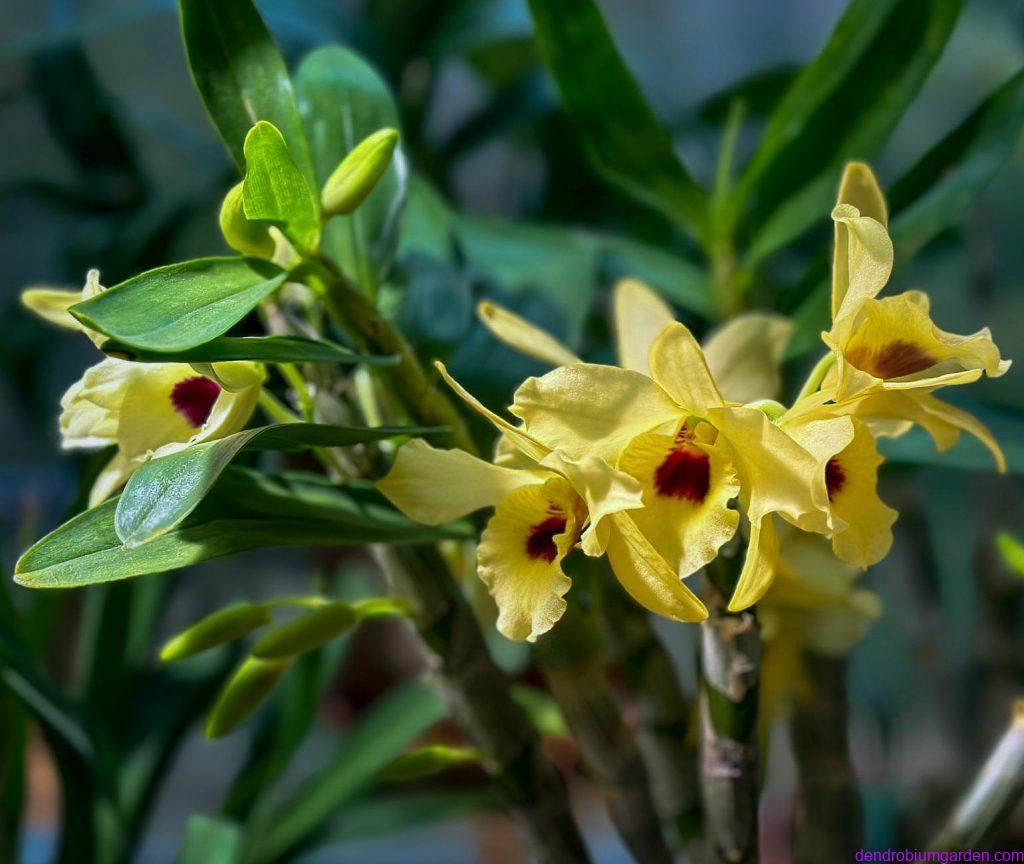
109 162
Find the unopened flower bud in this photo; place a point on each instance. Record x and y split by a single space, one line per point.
358 173
244 235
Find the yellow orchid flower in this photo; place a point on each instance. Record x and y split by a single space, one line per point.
620 415
150 409
889 355
546 502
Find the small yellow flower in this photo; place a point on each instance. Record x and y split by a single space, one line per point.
890 357
150 409
144 409
546 502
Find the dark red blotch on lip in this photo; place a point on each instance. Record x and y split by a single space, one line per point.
193 398
835 477
541 545
685 474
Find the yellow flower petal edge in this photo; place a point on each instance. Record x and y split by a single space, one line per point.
639 315
52 304
645 575
522 439
678 365
759 565
523 336
589 409
861 269
432 486
520 557
744 355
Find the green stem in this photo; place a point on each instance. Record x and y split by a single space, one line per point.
570 659
301 388
817 375
356 315
279 413
480 697
729 766
829 820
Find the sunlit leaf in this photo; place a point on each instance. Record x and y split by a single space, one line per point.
275 190
180 306
245 510
165 490
240 75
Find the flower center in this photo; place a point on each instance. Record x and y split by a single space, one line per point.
835 477
685 473
540 544
893 360
193 398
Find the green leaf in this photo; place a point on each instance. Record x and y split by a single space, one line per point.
381 734
1012 552
180 306
241 76
210 841
343 100
265 349
425 761
164 491
386 816
245 510
843 105
218 628
244 693
622 136
939 188
276 191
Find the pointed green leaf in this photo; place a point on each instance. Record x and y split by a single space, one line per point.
623 138
164 491
275 190
265 349
243 694
382 733
844 105
245 510
343 100
240 75
218 628
180 306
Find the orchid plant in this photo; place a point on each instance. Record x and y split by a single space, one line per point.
679 481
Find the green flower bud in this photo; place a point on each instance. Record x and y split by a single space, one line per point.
307 632
358 173
244 235
243 694
426 761
223 626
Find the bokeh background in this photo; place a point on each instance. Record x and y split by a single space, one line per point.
108 161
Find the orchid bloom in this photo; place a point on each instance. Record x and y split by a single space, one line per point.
889 355
144 409
546 502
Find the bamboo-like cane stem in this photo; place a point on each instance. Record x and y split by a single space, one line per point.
479 694
665 714
828 818
571 661
730 781
995 792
